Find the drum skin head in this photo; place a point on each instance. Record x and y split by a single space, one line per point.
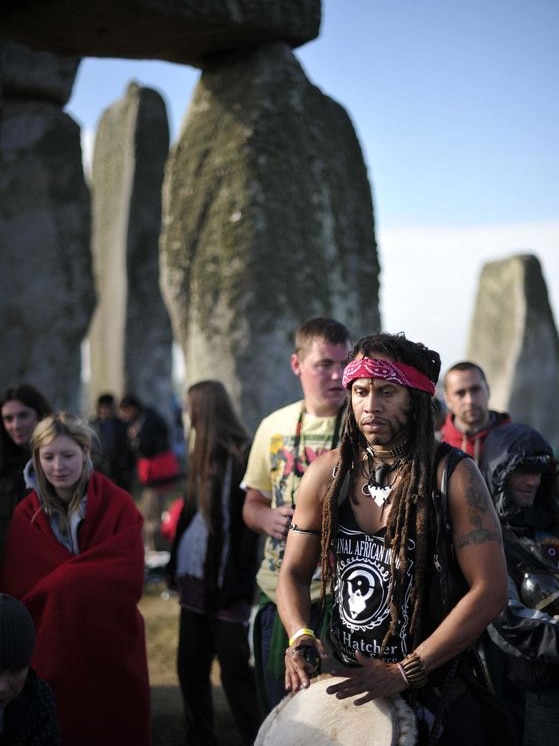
311 717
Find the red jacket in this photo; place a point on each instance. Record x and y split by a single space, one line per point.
471 443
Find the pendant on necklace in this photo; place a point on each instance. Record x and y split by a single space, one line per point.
379 494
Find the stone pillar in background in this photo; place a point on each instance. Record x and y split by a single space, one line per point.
46 283
514 338
130 337
268 221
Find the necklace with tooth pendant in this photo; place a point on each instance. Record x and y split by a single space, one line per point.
375 489
380 495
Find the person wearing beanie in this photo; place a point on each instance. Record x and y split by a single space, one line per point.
27 706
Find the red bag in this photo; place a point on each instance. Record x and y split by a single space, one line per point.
170 519
161 468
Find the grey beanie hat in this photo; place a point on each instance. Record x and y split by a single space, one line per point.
17 634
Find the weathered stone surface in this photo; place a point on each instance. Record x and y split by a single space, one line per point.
187 31
514 338
130 336
40 75
46 283
268 222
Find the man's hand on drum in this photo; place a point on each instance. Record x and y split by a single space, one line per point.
302 661
373 678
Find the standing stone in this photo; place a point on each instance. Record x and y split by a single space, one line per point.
46 283
130 337
268 222
514 338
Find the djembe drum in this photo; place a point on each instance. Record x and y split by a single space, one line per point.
311 717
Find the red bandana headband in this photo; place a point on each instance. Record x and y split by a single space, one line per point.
387 370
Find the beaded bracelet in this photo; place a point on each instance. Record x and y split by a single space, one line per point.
414 671
300 632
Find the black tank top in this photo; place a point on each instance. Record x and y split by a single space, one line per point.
360 613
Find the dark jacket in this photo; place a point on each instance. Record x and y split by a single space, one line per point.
471 443
12 489
241 562
527 630
153 435
114 457
30 720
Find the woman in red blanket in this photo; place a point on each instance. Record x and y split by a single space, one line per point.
75 558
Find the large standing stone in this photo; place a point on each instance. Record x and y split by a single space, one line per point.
268 222
187 31
130 337
46 283
514 338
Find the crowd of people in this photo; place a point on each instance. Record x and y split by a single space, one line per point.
406 544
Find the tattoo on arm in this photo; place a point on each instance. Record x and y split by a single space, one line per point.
478 509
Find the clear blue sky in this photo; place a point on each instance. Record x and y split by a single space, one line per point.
456 107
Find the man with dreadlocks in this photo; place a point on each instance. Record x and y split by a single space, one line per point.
371 510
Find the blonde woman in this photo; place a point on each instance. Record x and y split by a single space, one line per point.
75 558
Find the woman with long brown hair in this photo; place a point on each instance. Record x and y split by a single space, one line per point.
213 565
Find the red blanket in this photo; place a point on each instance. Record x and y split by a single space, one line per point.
90 635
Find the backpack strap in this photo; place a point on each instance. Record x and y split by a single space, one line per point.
455 455
452 584
344 487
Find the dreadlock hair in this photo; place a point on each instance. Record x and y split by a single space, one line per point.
411 516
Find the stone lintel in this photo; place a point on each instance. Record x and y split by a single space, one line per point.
181 31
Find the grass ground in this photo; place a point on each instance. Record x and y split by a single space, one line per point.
161 616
